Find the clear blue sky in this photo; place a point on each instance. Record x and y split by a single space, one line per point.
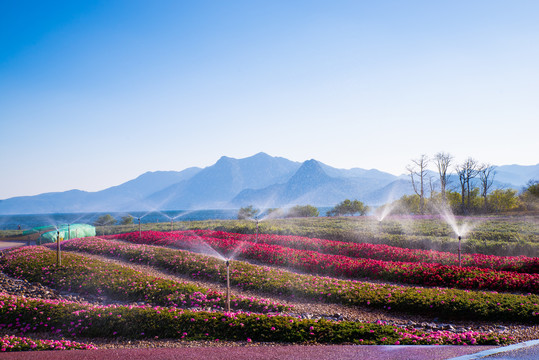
95 93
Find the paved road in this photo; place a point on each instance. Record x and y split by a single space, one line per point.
343 352
530 353
10 244
528 350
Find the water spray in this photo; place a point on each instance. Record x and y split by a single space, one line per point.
460 262
58 257
228 286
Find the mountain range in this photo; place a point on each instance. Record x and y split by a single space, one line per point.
260 180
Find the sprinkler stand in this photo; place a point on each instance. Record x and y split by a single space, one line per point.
460 262
256 236
58 257
171 224
228 286
139 229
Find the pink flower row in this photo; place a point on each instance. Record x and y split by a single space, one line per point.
16 343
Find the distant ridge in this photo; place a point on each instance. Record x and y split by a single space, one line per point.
260 180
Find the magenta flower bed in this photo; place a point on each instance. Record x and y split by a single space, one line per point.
72 319
427 274
10 343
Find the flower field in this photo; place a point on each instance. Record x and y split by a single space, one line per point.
443 302
429 283
310 261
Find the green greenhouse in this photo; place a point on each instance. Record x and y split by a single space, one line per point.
49 234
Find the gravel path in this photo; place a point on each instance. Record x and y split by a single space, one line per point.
302 308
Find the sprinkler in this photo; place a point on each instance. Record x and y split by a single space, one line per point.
460 263
228 286
58 258
68 232
139 229
256 236
171 224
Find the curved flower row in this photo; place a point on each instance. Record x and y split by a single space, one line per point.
15 343
441 302
521 264
337 265
72 319
89 276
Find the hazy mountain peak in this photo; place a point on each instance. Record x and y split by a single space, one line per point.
310 172
261 155
311 166
224 159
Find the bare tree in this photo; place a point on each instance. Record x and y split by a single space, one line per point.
461 172
431 186
471 167
442 161
419 169
486 175
466 172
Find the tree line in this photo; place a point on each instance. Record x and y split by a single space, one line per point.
346 207
109 220
472 194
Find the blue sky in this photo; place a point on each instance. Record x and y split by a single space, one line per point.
95 93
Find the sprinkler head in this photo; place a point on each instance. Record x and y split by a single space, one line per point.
460 237
228 263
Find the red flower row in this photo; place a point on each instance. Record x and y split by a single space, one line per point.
428 274
521 264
